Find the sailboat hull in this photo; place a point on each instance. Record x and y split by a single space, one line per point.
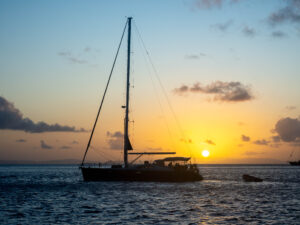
295 163
140 174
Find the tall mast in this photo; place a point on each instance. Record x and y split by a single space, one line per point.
126 139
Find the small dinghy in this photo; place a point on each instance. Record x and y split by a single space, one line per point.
248 178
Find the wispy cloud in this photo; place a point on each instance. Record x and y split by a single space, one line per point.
251 153
222 91
45 146
291 107
223 26
12 119
71 57
249 31
261 142
278 34
190 141
192 56
241 123
65 147
195 56
78 58
245 138
211 4
210 142
153 149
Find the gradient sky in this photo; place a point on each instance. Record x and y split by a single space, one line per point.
243 55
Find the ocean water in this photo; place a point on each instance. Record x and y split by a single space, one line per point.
44 194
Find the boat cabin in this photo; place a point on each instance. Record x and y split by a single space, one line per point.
172 161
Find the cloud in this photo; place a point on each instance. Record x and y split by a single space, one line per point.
291 107
186 140
276 145
153 149
222 26
296 143
181 90
115 140
76 58
222 91
210 142
250 153
275 139
288 129
210 4
195 56
192 56
65 147
261 142
12 119
290 13
117 134
71 58
278 34
245 138
45 146
248 31
21 140
87 49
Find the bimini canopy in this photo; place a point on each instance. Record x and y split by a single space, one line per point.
172 159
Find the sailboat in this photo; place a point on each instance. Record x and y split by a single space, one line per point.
170 169
294 163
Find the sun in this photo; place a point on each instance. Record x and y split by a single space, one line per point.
205 153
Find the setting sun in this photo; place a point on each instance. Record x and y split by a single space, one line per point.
205 153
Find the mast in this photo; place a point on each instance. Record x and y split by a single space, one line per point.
126 139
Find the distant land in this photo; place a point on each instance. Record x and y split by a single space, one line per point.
245 161
63 161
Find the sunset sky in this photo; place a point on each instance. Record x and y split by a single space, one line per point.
230 69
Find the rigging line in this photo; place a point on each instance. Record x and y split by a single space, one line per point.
164 91
112 69
107 157
158 100
100 153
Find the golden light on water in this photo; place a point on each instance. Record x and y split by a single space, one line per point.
205 153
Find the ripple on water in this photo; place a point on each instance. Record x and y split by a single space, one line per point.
35 195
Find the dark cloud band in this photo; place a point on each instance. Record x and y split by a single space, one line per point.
12 119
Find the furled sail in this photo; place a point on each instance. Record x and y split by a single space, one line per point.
129 146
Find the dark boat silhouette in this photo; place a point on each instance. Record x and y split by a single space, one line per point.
248 178
171 169
295 163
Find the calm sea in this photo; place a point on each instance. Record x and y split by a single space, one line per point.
48 194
